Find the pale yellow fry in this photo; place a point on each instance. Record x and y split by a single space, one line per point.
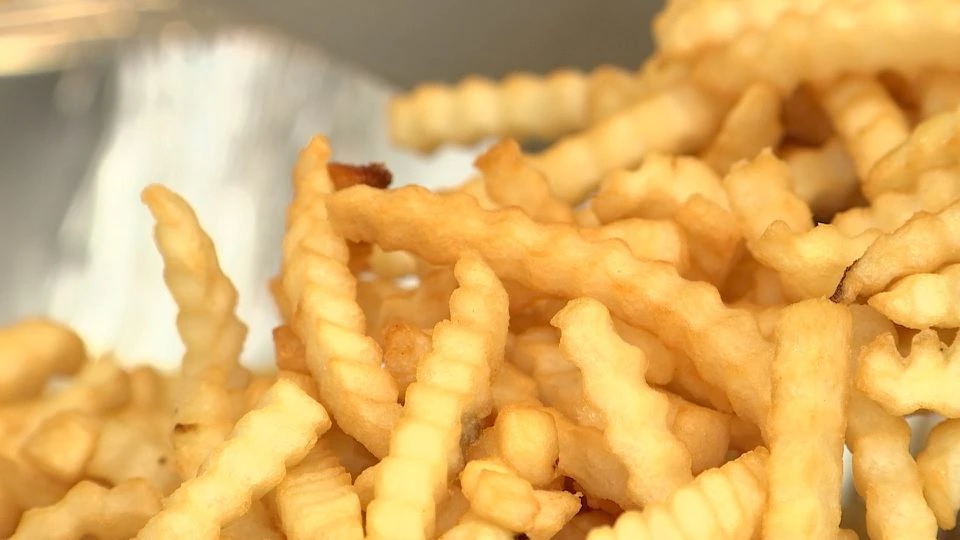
938 91
651 239
811 375
443 405
939 465
477 530
930 240
823 177
866 118
526 441
656 189
636 416
751 125
923 300
926 378
932 145
688 316
90 509
581 524
346 363
255 523
726 502
264 443
33 350
135 444
714 236
760 194
513 387
511 180
62 445
208 325
316 499
885 474
678 120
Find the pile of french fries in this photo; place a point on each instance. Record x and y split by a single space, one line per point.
726 266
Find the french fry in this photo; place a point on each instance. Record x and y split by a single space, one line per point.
939 464
207 323
265 441
811 376
805 121
760 194
924 379
255 523
751 125
655 240
512 387
582 523
923 300
866 118
391 264
823 177
939 91
689 316
34 350
475 530
404 345
424 306
526 441
61 446
90 509
880 264
135 445
657 463
361 396
451 511
289 351
451 391
885 474
726 502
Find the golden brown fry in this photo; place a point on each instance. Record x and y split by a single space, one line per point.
923 300
882 262
939 465
612 89
135 444
823 177
424 306
760 194
255 523
207 323
655 240
344 175
61 446
90 509
938 92
34 350
726 502
477 530
866 118
636 417
404 345
927 378
581 525
360 395
512 387
289 351
511 180
811 375
704 432
451 392
805 121
688 316
265 441
751 125
316 499
885 474
526 441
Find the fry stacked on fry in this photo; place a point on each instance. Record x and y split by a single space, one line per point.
727 266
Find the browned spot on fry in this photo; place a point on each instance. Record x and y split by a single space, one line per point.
344 175
184 428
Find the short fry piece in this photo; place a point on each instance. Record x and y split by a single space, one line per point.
267 440
90 509
726 502
939 465
32 351
637 427
923 300
807 421
511 180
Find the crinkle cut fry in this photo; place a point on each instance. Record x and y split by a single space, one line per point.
208 325
751 125
885 474
897 35
931 240
923 300
927 378
360 395
33 350
657 462
90 509
452 385
725 502
939 465
688 316
316 499
266 441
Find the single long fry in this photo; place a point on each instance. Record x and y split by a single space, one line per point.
726 502
90 509
34 350
688 316
450 394
880 264
264 443
923 300
208 325
811 374
751 125
885 474
637 426
511 180
939 465
360 395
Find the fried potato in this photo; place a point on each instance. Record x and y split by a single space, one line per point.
751 125
657 463
404 345
725 502
62 445
939 464
760 194
690 316
655 240
289 352
938 91
823 177
33 351
811 375
923 300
